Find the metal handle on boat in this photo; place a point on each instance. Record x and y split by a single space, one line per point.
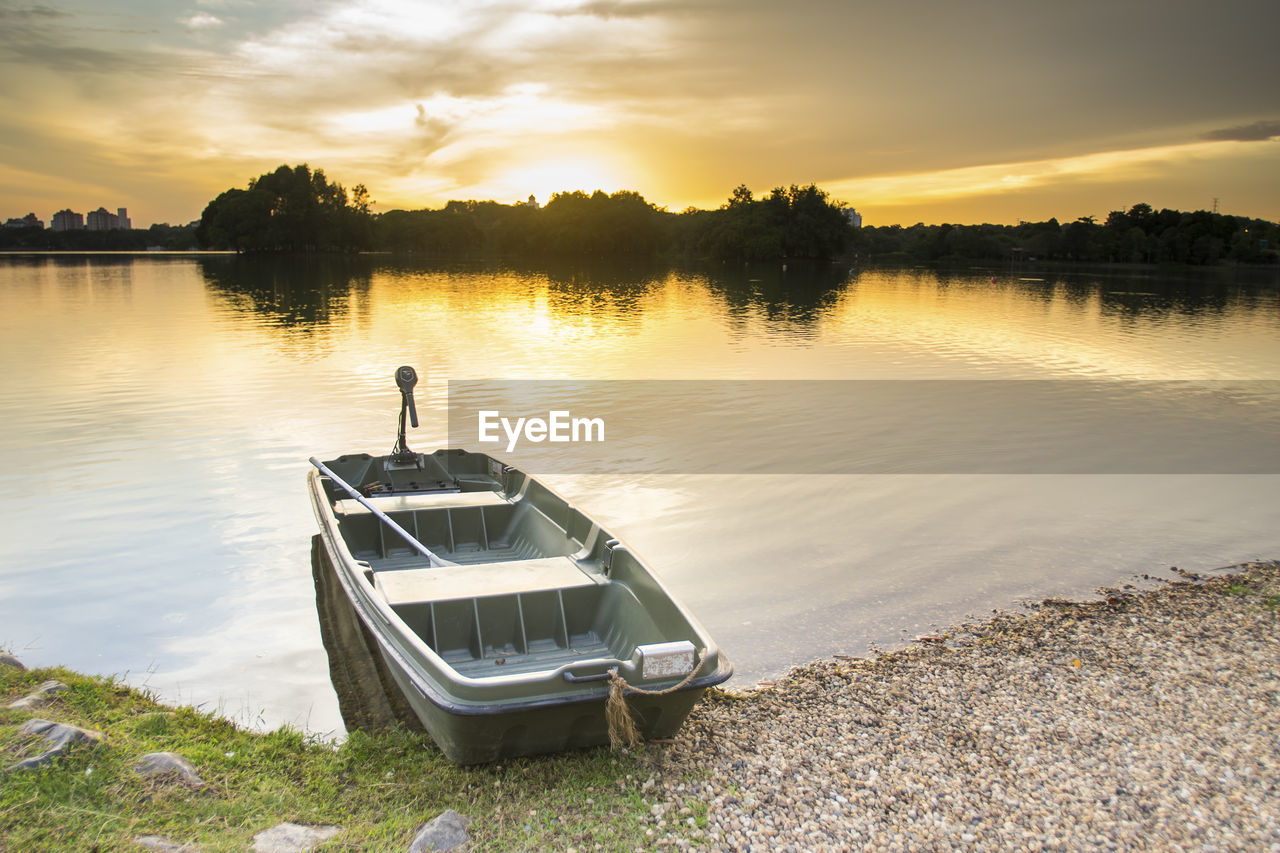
382 516
406 378
583 679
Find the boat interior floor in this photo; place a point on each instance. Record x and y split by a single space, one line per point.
536 615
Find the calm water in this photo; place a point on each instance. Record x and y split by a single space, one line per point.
158 413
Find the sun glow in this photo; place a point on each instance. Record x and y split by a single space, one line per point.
542 178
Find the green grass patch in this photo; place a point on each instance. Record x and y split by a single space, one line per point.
380 789
1265 591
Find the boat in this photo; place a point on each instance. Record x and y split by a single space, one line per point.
512 622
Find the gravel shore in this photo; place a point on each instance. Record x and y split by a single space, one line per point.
1149 720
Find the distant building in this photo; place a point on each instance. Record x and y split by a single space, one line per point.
68 220
854 217
104 220
532 202
101 220
28 221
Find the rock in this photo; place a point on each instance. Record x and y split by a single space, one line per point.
157 842
10 661
447 832
41 696
292 838
169 763
59 738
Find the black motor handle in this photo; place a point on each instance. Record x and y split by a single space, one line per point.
406 378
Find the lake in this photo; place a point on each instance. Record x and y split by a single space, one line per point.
159 411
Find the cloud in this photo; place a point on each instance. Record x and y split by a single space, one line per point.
1259 131
617 9
999 178
32 13
47 38
432 127
202 21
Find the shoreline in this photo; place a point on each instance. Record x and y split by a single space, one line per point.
1150 718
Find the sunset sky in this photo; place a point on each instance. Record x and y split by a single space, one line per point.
990 110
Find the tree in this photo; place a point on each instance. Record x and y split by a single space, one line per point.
600 224
790 222
290 210
741 197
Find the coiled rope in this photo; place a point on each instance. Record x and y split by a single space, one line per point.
622 725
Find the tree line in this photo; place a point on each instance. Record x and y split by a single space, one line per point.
1139 235
297 209
803 222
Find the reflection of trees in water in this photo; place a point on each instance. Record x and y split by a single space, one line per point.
304 292
1152 299
1159 293
1126 292
292 291
796 294
799 294
596 287
78 270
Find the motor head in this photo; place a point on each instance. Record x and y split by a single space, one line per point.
406 378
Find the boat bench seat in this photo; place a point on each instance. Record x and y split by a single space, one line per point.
479 580
429 500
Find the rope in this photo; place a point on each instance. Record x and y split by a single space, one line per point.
622 725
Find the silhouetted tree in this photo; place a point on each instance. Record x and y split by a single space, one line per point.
288 210
296 209
1140 234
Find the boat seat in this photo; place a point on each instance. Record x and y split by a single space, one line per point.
429 500
480 580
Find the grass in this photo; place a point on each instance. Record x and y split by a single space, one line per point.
1267 593
379 789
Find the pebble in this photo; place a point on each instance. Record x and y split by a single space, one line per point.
57 738
41 696
171 765
288 837
1147 720
164 845
448 831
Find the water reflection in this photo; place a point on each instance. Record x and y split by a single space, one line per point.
314 291
368 697
795 294
1157 299
798 301
615 289
294 292
70 274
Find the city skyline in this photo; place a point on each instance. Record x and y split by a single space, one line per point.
930 112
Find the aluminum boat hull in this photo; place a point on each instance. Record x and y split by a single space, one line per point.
503 640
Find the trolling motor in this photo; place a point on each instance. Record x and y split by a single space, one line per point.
406 378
